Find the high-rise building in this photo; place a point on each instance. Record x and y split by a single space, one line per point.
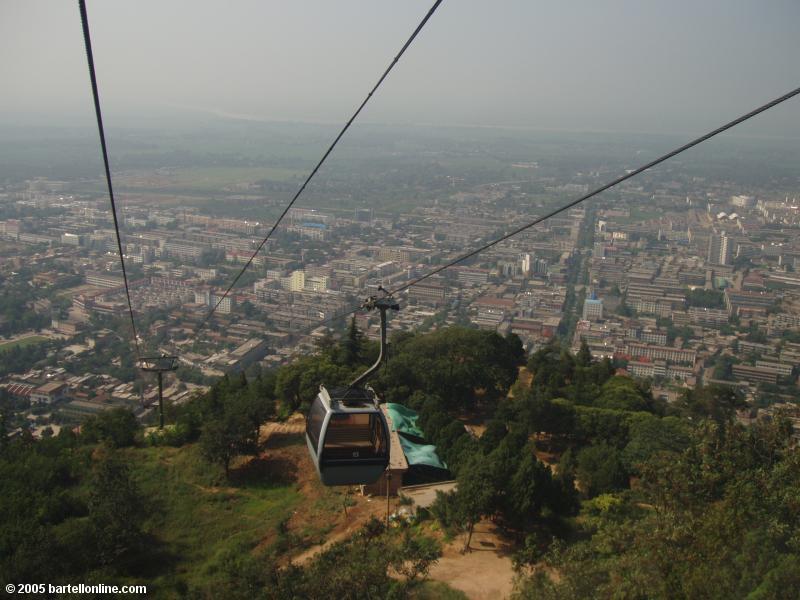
720 249
508 268
224 305
525 263
295 282
599 250
592 309
212 298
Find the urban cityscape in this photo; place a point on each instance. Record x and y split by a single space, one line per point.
680 280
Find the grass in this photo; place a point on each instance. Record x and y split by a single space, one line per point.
197 523
22 342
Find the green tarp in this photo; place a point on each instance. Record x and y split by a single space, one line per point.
404 422
421 454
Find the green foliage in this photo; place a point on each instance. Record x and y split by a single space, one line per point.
600 470
548 416
705 298
723 366
66 512
493 434
649 435
117 427
359 567
557 374
15 314
447 510
603 425
584 356
717 520
622 393
22 358
717 402
352 344
476 495
298 383
711 494
451 363
116 509
232 420
530 488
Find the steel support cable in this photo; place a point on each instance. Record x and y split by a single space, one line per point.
321 161
602 188
90 59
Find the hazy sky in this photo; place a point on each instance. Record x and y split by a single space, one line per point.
638 65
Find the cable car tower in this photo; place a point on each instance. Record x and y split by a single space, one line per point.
346 432
159 364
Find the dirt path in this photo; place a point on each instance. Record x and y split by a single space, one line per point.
485 573
322 509
524 377
294 425
357 516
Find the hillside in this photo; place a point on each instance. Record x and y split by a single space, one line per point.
225 502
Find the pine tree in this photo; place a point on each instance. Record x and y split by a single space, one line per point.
352 345
584 357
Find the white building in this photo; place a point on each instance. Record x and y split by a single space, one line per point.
592 309
296 282
316 284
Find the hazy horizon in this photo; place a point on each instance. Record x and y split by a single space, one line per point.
623 67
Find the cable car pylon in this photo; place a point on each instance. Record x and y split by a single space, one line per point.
159 364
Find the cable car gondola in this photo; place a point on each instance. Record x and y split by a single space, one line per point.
348 436
346 431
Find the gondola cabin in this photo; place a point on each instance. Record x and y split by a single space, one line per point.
347 436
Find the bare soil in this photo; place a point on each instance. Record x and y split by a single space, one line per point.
320 520
486 572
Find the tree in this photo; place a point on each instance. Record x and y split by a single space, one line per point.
705 298
452 363
218 445
600 470
622 393
548 416
516 348
352 344
649 435
116 508
530 488
717 402
493 434
232 434
359 567
118 427
476 493
416 555
584 357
